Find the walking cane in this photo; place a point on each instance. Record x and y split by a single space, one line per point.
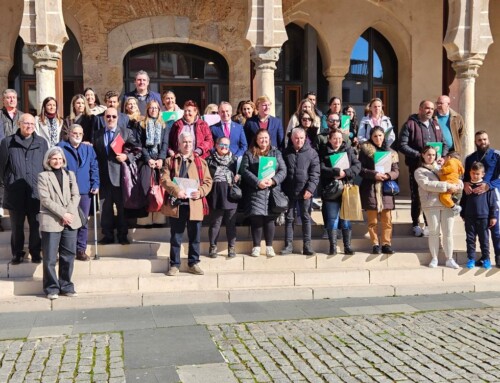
96 256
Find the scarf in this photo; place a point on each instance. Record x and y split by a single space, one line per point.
153 136
53 130
223 173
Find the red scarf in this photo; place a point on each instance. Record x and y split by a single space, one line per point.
199 167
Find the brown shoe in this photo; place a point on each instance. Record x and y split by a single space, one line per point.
195 269
82 256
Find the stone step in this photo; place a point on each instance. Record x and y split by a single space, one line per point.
146 249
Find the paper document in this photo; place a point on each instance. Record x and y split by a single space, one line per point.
187 184
383 162
267 167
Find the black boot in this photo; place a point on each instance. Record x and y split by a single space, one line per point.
346 236
288 249
307 249
332 238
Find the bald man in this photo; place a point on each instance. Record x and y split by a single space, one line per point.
451 123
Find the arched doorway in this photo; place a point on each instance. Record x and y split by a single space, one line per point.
22 76
190 71
373 72
292 78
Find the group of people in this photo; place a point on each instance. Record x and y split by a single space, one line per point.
51 169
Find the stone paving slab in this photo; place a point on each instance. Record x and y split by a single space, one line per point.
438 346
63 358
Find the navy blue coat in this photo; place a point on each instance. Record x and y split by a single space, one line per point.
83 162
275 129
20 165
302 171
237 141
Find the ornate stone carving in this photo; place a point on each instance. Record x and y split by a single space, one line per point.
468 68
45 57
265 58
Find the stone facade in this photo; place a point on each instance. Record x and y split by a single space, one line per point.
244 31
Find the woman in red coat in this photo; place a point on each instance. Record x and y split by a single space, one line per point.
191 122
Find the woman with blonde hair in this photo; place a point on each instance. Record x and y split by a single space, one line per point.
154 142
80 114
264 120
246 109
304 106
376 117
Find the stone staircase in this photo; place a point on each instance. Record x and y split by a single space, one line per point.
134 275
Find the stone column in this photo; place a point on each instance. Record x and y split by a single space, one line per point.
5 65
466 71
46 61
265 64
335 77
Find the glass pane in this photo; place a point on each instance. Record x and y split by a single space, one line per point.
278 101
144 58
174 65
28 63
359 58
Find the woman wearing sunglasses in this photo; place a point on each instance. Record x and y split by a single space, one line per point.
223 168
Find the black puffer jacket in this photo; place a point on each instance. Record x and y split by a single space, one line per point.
302 171
257 200
328 173
20 163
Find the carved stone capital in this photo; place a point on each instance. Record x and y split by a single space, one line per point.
265 58
45 56
468 68
333 73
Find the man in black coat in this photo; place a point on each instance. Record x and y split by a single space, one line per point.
21 160
110 161
302 178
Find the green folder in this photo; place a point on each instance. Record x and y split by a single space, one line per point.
267 167
340 160
345 123
172 116
383 162
438 146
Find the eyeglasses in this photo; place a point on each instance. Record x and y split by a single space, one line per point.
331 120
111 116
224 146
306 119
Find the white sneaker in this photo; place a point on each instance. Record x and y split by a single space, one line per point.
425 232
1 212
52 296
417 231
452 264
255 251
270 251
434 263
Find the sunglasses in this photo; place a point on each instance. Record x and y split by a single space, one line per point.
224 146
111 116
214 112
332 120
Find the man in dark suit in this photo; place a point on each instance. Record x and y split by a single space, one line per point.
110 176
264 120
230 129
111 98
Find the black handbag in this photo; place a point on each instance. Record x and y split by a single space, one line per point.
333 190
278 201
235 192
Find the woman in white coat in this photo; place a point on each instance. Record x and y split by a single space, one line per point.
59 223
376 117
439 217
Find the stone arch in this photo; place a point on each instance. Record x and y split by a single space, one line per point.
9 30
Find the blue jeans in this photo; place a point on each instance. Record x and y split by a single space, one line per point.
177 227
331 214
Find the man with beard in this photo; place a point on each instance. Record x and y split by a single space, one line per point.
82 160
490 158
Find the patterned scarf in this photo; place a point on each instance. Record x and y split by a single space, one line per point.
223 173
54 136
199 168
153 136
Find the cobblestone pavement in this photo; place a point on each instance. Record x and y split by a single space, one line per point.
438 346
63 359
